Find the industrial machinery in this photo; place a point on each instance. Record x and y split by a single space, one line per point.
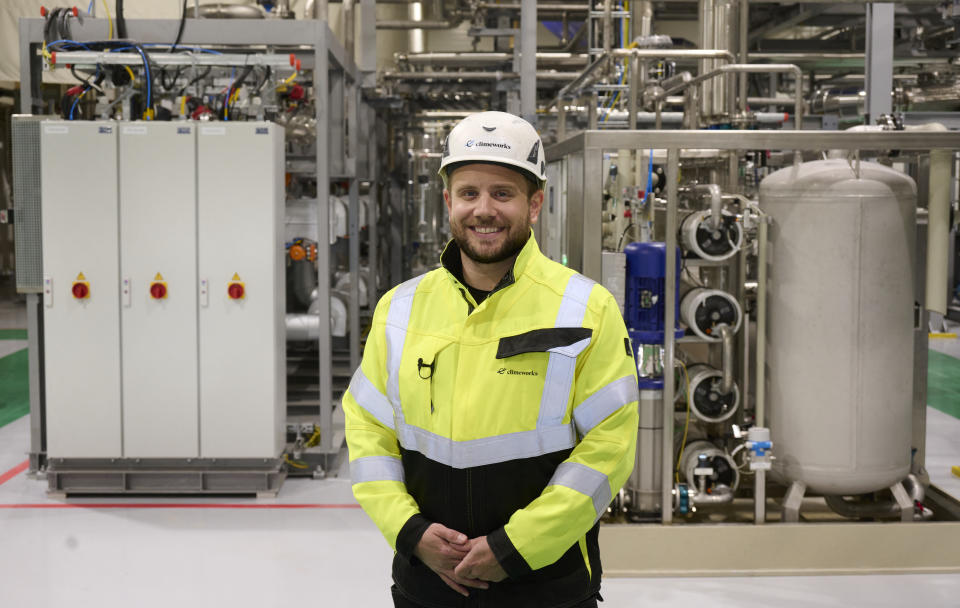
759 184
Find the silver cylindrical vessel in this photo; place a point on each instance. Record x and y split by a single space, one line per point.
706 399
644 485
709 243
704 310
840 327
702 455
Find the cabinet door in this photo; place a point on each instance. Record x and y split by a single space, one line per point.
158 273
240 208
81 328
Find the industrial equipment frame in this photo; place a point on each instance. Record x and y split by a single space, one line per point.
654 550
340 154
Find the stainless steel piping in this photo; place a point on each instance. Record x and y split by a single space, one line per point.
888 508
498 75
726 335
417 25
349 25
469 59
749 69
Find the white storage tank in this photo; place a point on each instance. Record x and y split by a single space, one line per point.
840 328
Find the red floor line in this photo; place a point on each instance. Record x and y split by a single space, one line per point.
121 505
20 468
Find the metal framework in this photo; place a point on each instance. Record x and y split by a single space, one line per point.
338 147
584 153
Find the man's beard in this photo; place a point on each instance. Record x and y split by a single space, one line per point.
511 246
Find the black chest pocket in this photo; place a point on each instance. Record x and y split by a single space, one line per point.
541 340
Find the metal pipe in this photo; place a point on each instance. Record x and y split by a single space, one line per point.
760 392
705 17
716 202
607 27
749 69
744 50
718 495
498 75
726 335
633 91
349 25
888 508
465 59
416 25
669 347
541 8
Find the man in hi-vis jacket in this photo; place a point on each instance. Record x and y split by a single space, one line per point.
494 414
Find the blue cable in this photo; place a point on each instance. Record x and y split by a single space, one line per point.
74 42
192 48
649 192
90 8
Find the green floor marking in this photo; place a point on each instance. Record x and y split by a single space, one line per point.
13 334
943 383
14 395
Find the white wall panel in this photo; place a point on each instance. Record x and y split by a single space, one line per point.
81 337
240 206
158 244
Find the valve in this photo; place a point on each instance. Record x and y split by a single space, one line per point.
760 447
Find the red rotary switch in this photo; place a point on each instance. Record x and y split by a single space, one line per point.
158 291
235 291
81 290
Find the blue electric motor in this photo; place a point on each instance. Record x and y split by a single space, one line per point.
644 308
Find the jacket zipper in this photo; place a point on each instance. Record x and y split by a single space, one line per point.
470 307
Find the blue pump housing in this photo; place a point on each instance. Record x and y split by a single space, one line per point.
644 309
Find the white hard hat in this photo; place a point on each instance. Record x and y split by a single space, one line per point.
495 137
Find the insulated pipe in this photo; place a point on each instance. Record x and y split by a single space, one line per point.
726 335
744 39
716 202
888 508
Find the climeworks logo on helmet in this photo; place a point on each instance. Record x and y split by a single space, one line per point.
486 144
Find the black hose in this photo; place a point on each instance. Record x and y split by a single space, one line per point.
183 21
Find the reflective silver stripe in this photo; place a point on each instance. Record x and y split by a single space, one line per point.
561 365
487 450
574 303
398 317
585 480
604 402
376 468
370 399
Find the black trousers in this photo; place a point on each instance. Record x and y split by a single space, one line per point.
401 601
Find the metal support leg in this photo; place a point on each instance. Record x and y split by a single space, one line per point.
673 174
38 440
760 497
792 502
903 501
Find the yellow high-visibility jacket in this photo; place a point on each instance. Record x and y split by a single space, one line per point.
515 419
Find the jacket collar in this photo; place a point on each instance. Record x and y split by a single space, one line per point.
452 262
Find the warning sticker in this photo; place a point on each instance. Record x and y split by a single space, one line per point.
159 277
80 277
236 277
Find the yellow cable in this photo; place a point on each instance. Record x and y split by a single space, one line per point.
294 464
686 426
287 81
129 71
183 105
106 9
